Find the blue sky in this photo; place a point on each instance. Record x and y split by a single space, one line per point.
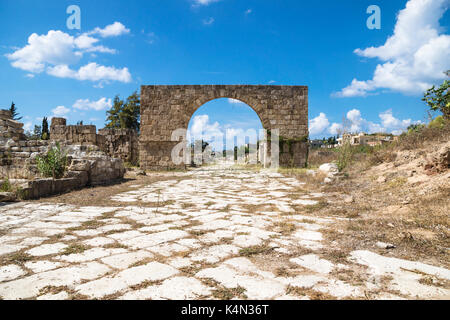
49 70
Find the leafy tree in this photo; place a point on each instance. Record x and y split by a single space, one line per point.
437 122
439 98
45 135
416 127
36 134
132 111
113 114
124 114
14 113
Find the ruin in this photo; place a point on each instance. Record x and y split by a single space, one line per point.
166 108
91 159
117 143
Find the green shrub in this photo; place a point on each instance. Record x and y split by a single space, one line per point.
5 186
438 122
345 154
53 164
414 128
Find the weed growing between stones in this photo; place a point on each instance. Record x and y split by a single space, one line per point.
6 186
53 164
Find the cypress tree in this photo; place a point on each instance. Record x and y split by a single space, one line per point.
45 132
14 113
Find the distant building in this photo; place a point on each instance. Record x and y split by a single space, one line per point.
363 139
324 144
316 143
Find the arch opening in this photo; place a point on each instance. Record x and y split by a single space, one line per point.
225 130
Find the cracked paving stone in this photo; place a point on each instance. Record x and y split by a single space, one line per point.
215 253
314 263
124 260
47 249
177 288
154 239
56 296
42 265
152 271
91 254
30 286
10 272
99 241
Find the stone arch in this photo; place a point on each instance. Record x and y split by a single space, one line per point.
167 108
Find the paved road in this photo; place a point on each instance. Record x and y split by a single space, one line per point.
205 234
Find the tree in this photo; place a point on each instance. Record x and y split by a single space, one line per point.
439 98
124 114
45 135
415 127
113 114
36 134
132 111
14 113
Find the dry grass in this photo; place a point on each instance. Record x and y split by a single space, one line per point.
284 227
19 257
316 207
254 250
74 248
223 293
101 195
397 211
317 157
310 293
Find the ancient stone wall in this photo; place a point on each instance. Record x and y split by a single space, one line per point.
17 154
79 134
117 143
10 129
120 143
87 164
167 108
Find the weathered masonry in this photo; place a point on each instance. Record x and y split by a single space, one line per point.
167 108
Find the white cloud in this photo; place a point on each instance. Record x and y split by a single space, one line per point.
204 2
355 123
202 127
234 101
112 30
356 120
92 72
208 21
215 133
28 126
318 124
60 111
86 104
392 123
335 128
84 41
414 57
54 48
56 51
